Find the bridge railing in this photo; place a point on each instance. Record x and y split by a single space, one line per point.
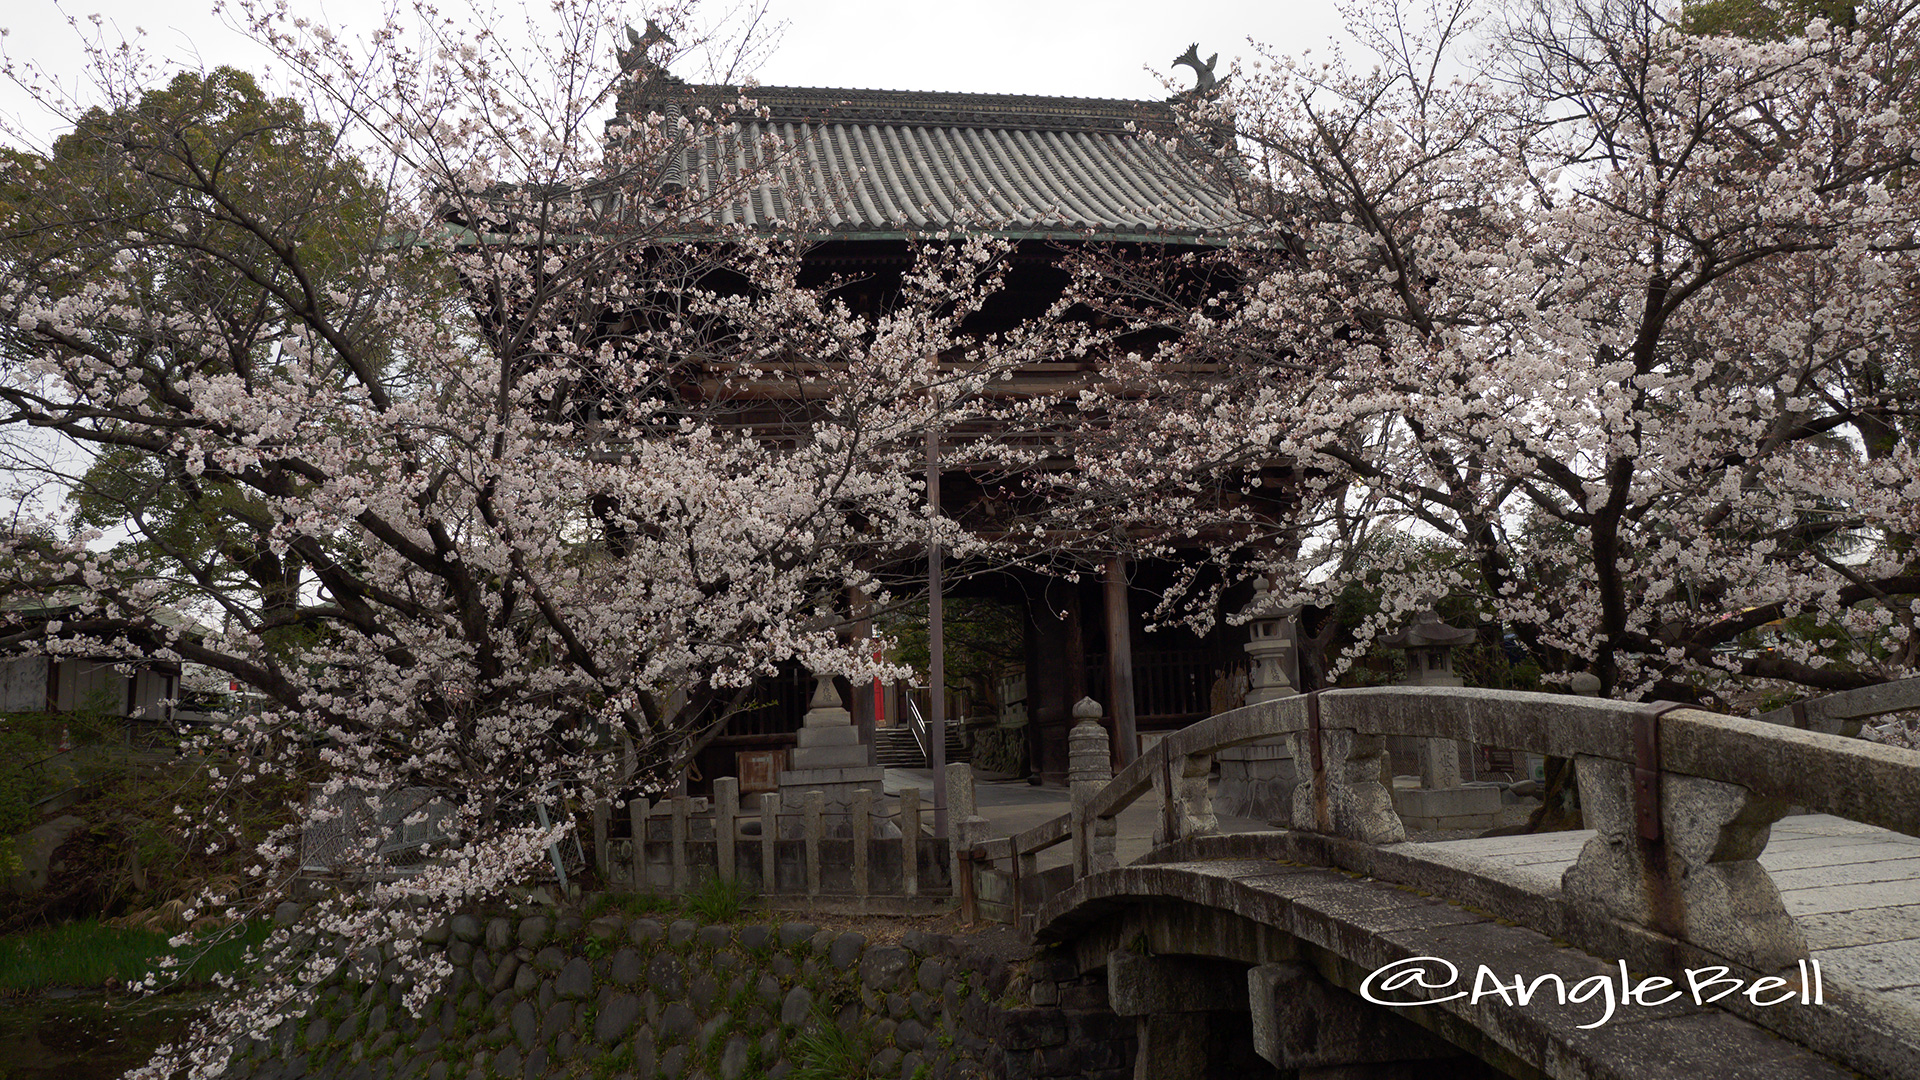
1845 712
1681 799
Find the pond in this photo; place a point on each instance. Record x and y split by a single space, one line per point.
88 1036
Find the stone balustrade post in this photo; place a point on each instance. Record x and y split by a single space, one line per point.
968 828
602 826
1089 770
638 812
726 828
862 820
678 810
1700 880
814 805
910 841
1342 793
769 831
1186 806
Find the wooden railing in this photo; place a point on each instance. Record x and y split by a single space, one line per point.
1681 798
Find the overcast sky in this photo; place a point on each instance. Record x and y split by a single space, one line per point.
1068 47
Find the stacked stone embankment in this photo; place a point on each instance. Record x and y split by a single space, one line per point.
547 996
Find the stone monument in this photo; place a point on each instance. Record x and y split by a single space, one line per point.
831 759
1257 779
1443 800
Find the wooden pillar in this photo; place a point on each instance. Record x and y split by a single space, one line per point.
1126 742
1076 639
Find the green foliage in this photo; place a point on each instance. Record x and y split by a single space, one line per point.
28 777
136 858
719 899
1762 20
985 642
209 197
89 954
631 903
32 766
1483 665
824 1052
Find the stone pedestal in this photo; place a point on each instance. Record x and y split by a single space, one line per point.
830 759
1463 807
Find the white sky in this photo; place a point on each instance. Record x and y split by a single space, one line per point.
1068 47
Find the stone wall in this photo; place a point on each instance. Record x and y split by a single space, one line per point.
548 996
1001 750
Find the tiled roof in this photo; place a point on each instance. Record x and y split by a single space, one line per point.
871 164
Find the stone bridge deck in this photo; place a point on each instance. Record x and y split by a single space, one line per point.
1259 898
1854 890
1694 878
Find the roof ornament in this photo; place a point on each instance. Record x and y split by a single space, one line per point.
634 57
1204 79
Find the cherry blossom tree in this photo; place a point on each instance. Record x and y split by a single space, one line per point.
459 433
1618 313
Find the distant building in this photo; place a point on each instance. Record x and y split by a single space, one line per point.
38 682
863 173
66 684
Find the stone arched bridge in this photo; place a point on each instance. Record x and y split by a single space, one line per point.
1746 903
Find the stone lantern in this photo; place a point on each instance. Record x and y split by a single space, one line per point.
1270 648
1429 644
829 757
1257 779
1442 801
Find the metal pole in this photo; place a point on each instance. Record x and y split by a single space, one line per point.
936 640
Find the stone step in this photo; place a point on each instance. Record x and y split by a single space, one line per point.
896 747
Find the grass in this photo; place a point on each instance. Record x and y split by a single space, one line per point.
715 901
721 899
88 955
631 903
827 1053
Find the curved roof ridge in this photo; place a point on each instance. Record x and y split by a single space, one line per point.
945 108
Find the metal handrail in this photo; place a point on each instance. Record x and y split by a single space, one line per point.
918 725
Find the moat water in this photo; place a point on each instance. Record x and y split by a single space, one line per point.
87 1036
